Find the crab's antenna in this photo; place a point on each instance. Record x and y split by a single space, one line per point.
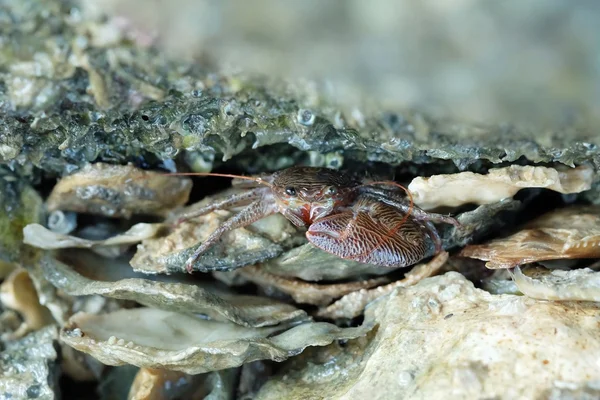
258 180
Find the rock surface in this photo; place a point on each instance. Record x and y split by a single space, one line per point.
442 338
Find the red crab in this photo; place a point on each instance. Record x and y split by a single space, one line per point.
369 222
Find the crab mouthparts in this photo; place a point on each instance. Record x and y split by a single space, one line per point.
306 211
310 213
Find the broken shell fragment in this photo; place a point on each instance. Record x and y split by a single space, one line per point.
152 384
38 236
353 304
577 285
307 292
499 282
160 384
18 293
454 190
567 233
251 311
152 338
478 222
119 191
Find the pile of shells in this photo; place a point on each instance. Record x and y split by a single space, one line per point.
113 290
96 301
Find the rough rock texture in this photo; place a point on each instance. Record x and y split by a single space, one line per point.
28 367
442 338
69 97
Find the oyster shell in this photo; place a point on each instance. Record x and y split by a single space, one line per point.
251 311
152 338
353 304
118 191
576 285
306 292
38 236
566 233
444 338
454 190
144 104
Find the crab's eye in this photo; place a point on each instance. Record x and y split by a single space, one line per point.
332 190
291 191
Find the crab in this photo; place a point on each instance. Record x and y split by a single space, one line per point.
368 222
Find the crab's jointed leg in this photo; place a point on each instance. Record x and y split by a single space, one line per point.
434 236
256 210
393 199
224 204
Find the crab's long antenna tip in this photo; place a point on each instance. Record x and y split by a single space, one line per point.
258 180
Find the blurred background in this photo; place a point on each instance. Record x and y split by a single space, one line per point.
533 63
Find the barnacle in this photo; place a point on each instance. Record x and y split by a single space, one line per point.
62 222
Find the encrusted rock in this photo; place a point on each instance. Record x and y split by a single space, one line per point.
444 338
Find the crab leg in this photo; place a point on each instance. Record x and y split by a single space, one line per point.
224 204
256 210
394 200
434 236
